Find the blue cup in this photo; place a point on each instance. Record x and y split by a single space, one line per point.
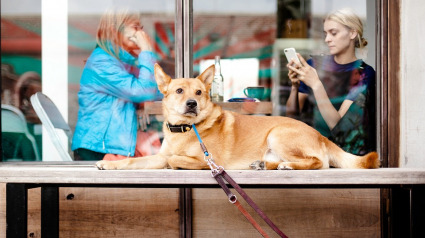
255 92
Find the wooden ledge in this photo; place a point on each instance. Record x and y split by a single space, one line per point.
85 173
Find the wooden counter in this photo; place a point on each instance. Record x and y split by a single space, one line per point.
405 185
85 173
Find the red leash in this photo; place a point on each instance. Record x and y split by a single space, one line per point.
220 175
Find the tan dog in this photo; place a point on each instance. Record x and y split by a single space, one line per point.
235 141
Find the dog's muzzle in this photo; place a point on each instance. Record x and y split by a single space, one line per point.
191 106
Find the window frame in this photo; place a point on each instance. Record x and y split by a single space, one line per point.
388 83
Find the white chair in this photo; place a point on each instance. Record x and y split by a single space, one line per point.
13 120
52 119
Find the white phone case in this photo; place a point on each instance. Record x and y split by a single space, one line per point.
290 53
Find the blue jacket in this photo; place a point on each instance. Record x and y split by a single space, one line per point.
109 91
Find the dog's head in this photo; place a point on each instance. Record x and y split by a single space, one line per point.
186 100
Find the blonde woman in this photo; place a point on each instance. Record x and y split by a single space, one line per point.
117 76
343 87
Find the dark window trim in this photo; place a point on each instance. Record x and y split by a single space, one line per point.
388 62
388 70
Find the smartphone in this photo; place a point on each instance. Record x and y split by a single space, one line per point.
290 53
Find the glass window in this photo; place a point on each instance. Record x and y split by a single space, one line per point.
242 34
56 59
157 19
20 78
250 38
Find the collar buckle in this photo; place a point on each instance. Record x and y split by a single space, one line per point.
179 128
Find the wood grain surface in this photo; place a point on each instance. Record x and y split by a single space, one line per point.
40 172
105 212
297 212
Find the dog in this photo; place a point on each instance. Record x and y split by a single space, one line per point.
235 141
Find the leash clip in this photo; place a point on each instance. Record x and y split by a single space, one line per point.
215 169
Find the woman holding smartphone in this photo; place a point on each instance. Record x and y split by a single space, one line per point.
343 87
118 75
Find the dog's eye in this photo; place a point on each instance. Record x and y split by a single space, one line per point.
198 92
179 91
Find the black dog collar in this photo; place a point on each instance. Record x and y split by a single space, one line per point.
179 128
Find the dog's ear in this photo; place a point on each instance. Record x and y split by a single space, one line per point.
207 76
162 79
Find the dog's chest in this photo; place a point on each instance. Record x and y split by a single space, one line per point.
184 145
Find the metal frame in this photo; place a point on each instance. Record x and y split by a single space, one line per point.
184 69
16 210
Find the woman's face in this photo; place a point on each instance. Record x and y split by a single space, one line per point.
130 28
338 37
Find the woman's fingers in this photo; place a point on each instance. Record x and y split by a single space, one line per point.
296 70
302 59
296 64
293 76
132 38
143 40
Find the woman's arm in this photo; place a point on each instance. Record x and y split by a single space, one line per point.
111 76
108 75
292 105
309 76
295 102
327 110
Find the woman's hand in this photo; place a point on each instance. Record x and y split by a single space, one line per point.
293 75
139 37
142 40
304 72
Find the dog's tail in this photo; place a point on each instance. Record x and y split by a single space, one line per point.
341 159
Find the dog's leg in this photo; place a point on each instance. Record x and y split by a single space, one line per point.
293 154
184 162
148 162
270 161
302 164
265 165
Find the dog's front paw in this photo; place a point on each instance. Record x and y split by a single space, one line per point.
283 166
258 165
106 165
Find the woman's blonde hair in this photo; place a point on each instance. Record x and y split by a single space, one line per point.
111 24
348 18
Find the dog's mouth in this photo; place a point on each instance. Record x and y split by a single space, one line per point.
191 112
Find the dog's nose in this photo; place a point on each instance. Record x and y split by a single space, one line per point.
191 103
